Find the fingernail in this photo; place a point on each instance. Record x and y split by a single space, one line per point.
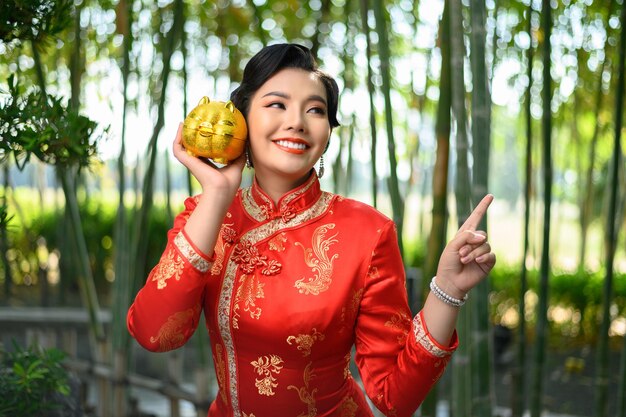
463 251
465 259
480 258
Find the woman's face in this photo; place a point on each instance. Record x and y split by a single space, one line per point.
288 125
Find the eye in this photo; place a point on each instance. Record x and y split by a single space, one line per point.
318 110
276 105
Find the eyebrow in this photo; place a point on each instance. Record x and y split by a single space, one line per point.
312 97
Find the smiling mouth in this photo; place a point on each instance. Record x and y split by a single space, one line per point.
298 146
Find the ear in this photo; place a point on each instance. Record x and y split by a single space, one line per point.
230 106
204 100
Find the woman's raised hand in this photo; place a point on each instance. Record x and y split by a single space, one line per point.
218 181
467 258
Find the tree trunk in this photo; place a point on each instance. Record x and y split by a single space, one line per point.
480 347
384 54
518 387
371 91
602 367
542 304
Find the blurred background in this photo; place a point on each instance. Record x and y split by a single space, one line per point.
441 102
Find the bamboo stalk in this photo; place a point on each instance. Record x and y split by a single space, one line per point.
518 387
542 329
397 203
481 369
371 92
602 367
461 367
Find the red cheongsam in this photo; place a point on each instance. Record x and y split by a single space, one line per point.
289 290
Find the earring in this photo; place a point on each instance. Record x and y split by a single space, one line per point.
248 161
320 171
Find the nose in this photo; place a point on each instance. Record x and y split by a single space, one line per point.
295 120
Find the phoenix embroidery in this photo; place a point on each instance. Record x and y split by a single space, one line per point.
318 259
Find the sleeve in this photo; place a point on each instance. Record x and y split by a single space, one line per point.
399 361
166 310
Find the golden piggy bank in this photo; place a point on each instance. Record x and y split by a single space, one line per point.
215 130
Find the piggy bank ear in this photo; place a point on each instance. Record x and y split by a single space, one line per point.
230 106
204 100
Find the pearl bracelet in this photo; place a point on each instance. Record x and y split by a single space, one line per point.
445 297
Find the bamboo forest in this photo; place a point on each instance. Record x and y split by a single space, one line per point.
440 103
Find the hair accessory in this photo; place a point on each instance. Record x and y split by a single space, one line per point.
445 297
320 172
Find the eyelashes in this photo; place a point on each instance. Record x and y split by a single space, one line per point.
278 105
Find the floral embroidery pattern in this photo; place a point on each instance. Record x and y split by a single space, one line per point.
401 322
277 243
348 314
170 266
318 260
226 238
190 253
422 338
306 396
346 370
246 255
171 335
249 290
348 407
305 341
257 234
267 367
220 368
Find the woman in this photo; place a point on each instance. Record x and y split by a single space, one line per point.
291 277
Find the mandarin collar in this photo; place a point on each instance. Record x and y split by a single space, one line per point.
290 204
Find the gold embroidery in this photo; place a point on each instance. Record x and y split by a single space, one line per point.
423 339
225 239
348 407
247 256
220 370
346 370
319 262
168 267
277 243
372 273
401 322
305 341
348 314
227 291
267 367
306 396
258 213
171 335
223 321
190 254
249 290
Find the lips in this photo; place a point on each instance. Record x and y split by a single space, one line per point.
292 145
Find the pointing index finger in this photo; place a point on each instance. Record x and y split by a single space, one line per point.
477 214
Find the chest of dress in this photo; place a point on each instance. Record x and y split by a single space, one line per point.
292 287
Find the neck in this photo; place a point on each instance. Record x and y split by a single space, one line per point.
276 186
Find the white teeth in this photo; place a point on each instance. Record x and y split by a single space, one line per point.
292 145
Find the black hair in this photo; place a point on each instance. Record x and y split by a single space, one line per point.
271 59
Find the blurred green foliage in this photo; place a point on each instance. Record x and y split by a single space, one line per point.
41 125
28 380
33 20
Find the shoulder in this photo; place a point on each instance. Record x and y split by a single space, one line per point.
361 213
